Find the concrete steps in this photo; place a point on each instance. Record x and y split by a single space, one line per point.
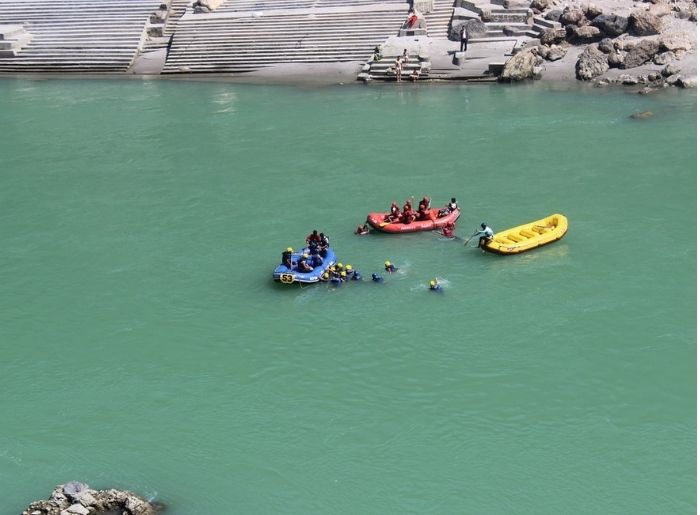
76 35
384 69
438 20
235 44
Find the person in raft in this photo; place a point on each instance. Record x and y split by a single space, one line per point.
423 212
313 238
362 229
451 206
394 213
485 234
426 202
287 257
389 267
303 266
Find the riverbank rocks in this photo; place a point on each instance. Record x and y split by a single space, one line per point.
584 35
555 53
591 63
641 53
642 23
552 36
571 16
689 82
616 59
610 24
542 5
591 11
671 69
77 498
675 42
553 15
664 58
606 46
519 67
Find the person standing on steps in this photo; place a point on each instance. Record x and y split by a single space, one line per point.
463 38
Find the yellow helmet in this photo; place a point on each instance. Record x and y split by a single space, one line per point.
348 268
432 282
305 256
325 275
290 249
387 263
343 274
339 265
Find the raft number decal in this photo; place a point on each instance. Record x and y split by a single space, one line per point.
287 278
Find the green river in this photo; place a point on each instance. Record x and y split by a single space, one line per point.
145 346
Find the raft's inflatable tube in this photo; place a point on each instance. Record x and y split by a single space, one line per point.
378 221
289 276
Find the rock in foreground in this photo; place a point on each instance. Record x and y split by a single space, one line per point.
76 498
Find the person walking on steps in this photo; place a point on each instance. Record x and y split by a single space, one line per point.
463 38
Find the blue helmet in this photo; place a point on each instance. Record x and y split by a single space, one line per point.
483 225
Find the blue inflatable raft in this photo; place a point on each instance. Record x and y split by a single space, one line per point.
286 275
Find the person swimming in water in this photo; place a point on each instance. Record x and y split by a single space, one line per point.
389 267
434 285
362 229
376 278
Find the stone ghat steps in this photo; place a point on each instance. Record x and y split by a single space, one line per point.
438 20
77 35
232 45
384 69
265 5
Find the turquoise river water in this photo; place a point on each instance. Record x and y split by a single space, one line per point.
145 346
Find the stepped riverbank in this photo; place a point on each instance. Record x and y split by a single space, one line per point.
648 45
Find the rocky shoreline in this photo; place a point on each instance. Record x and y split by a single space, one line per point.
77 498
651 44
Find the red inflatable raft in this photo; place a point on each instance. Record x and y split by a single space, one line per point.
378 221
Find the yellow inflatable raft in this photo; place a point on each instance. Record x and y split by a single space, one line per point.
528 236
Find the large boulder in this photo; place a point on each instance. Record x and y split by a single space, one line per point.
610 24
606 46
571 16
616 59
553 15
555 53
591 11
641 53
642 23
552 36
675 42
519 67
475 28
542 5
591 63
689 82
664 58
586 34
671 69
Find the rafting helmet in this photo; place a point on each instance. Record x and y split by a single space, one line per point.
483 225
387 263
325 275
348 268
339 266
343 274
432 283
290 249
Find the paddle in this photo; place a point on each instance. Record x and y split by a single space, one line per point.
470 238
